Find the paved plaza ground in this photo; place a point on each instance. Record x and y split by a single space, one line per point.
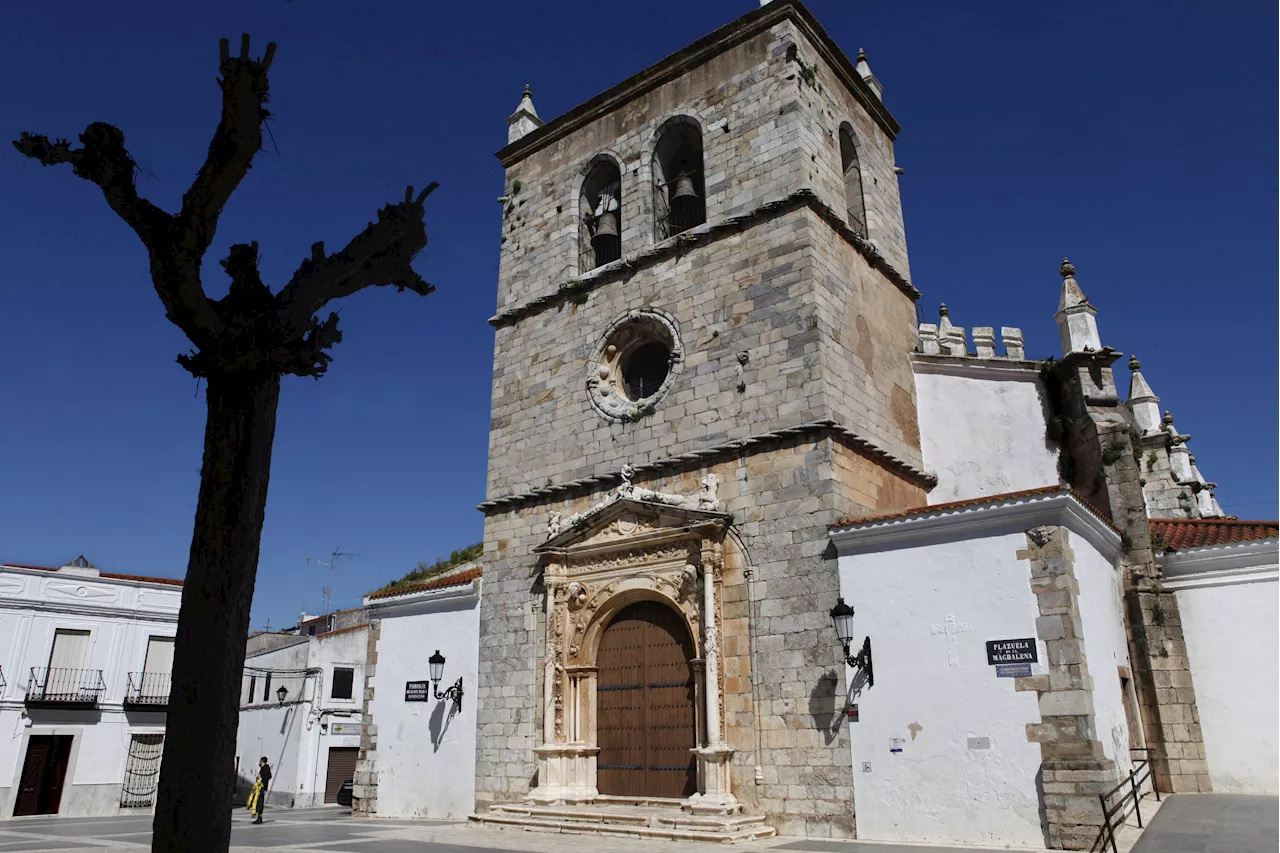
1211 823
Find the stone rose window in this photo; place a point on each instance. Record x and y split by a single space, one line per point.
635 365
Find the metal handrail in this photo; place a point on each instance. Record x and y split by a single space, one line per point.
72 686
1132 785
148 688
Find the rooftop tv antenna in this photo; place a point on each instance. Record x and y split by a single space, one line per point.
327 592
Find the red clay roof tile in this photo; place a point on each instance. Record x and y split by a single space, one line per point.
436 583
1177 534
112 575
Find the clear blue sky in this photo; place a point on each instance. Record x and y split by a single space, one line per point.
1140 139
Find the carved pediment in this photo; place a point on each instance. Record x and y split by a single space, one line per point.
626 523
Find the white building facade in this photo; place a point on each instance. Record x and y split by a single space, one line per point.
300 708
419 756
85 658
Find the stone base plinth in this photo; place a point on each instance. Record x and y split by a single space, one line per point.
715 795
566 774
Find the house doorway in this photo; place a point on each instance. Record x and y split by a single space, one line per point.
646 714
341 767
43 774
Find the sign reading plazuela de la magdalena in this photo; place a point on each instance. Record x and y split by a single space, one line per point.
416 691
1011 651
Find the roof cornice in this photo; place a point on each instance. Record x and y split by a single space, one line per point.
966 520
1021 370
422 600
1249 561
696 54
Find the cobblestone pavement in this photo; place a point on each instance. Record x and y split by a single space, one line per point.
333 830
1213 823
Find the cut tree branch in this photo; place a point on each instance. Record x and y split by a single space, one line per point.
105 161
379 255
236 140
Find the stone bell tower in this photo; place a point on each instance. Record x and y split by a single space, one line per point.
700 363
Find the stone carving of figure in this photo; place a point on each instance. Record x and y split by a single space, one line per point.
627 474
709 497
688 580
553 522
577 595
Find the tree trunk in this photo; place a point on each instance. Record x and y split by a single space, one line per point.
197 776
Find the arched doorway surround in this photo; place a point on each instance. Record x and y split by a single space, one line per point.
639 552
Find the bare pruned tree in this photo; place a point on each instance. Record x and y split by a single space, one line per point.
243 343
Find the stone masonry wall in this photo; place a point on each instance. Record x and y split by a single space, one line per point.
1074 767
1101 434
767 132
863 329
826 104
783 499
364 790
752 312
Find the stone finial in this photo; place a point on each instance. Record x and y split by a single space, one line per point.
950 337
1167 420
1077 322
1013 346
525 119
1143 402
864 71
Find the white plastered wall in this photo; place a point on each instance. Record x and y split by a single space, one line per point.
939 789
1106 648
1230 616
426 750
982 428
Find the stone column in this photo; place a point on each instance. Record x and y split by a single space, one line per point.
716 796
566 765
549 669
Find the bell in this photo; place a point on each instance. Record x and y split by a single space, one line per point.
605 242
683 188
686 207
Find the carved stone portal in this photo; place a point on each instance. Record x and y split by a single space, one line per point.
636 546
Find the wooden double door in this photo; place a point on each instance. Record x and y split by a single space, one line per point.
646 717
43 775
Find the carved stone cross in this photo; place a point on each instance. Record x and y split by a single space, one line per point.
951 627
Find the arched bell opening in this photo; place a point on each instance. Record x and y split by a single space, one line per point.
679 191
851 169
600 215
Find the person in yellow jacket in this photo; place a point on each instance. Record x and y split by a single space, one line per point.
258 796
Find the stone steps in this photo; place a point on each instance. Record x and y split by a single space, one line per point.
625 817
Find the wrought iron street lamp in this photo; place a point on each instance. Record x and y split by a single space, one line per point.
436 663
842 616
281 693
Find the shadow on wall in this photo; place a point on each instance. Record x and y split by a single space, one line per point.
440 720
824 707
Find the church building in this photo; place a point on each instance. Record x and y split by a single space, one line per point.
763 551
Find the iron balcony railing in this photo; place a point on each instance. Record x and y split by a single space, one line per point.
148 689
57 686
